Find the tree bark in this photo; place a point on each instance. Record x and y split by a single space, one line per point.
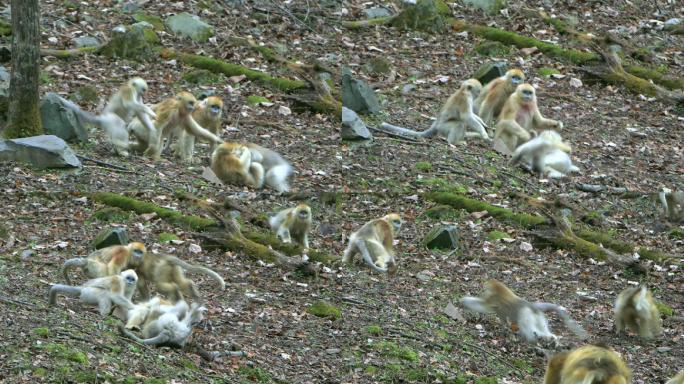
24 112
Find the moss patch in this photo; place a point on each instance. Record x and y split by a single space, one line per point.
201 76
373 330
166 237
497 235
492 48
546 71
156 21
391 349
425 15
42 332
423 166
664 308
255 100
110 214
324 309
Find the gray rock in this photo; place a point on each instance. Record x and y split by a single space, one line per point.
442 237
131 6
45 151
490 71
86 41
375 12
187 25
27 254
61 121
491 6
137 41
109 237
357 95
353 128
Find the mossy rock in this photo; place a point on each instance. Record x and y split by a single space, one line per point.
378 66
442 237
109 237
492 48
155 21
442 212
136 42
166 237
426 15
191 26
110 214
546 71
497 235
201 76
255 100
87 93
324 309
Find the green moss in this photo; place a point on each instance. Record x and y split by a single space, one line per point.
110 214
230 69
497 235
546 71
512 38
492 48
366 23
156 381
558 25
423 166
391 349
43 332
379 66
3 231
87 93
156 21
442 212
174 217
664 308
605 240
656 76
5 27
166 237
26 123
471 205
290 249
254 100
324 309
674 234
257 375
373 330
201 76
78 357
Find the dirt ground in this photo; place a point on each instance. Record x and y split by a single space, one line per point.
391 329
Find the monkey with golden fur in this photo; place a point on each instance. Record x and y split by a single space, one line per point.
207 115
374 241
107 261
174 115
526 318
677 379
491 100
232 164
589 364
293 224
636 310
166 272
103 291
125 104
455 116
520 117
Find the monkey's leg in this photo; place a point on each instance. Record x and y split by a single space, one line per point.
456 131
477 125
64 289
305 240
105 306
349 252
575 327
284 234
367 257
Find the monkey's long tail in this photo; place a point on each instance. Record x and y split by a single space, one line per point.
195 268
86 116
563 314
78 262
65 289
431 132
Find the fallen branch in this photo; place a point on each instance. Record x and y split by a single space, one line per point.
105 164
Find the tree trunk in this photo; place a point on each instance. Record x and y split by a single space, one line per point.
24 112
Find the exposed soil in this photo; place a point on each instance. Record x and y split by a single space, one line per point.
392 329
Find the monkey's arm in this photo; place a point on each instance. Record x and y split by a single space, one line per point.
563 314
136 105
122 301
541 123
191 126
476 304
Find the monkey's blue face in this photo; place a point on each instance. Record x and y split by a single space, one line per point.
130 278
527 95
138 254
515 80
215 109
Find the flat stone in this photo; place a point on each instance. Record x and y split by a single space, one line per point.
353 128
44 151
442 237
187 25
490 71
61 121
109 237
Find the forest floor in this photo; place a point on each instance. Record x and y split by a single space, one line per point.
391 329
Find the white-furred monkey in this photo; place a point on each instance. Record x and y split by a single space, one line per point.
208 116
125 104
547 154
170 326
276 169
491 100
107 261
526 318
232 164
293 223
139 314
590 364
455 116
673 204
103 291
520 116
636 311
374 241
174 115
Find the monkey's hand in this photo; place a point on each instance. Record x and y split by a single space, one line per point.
150 112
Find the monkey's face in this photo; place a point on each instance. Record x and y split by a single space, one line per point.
473 87
516 77
527 95
140 85
303 212
214 105
129 277
395 220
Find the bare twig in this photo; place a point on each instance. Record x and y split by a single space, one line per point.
106 164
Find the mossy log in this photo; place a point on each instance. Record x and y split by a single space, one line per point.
258 245
586 242
230 69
